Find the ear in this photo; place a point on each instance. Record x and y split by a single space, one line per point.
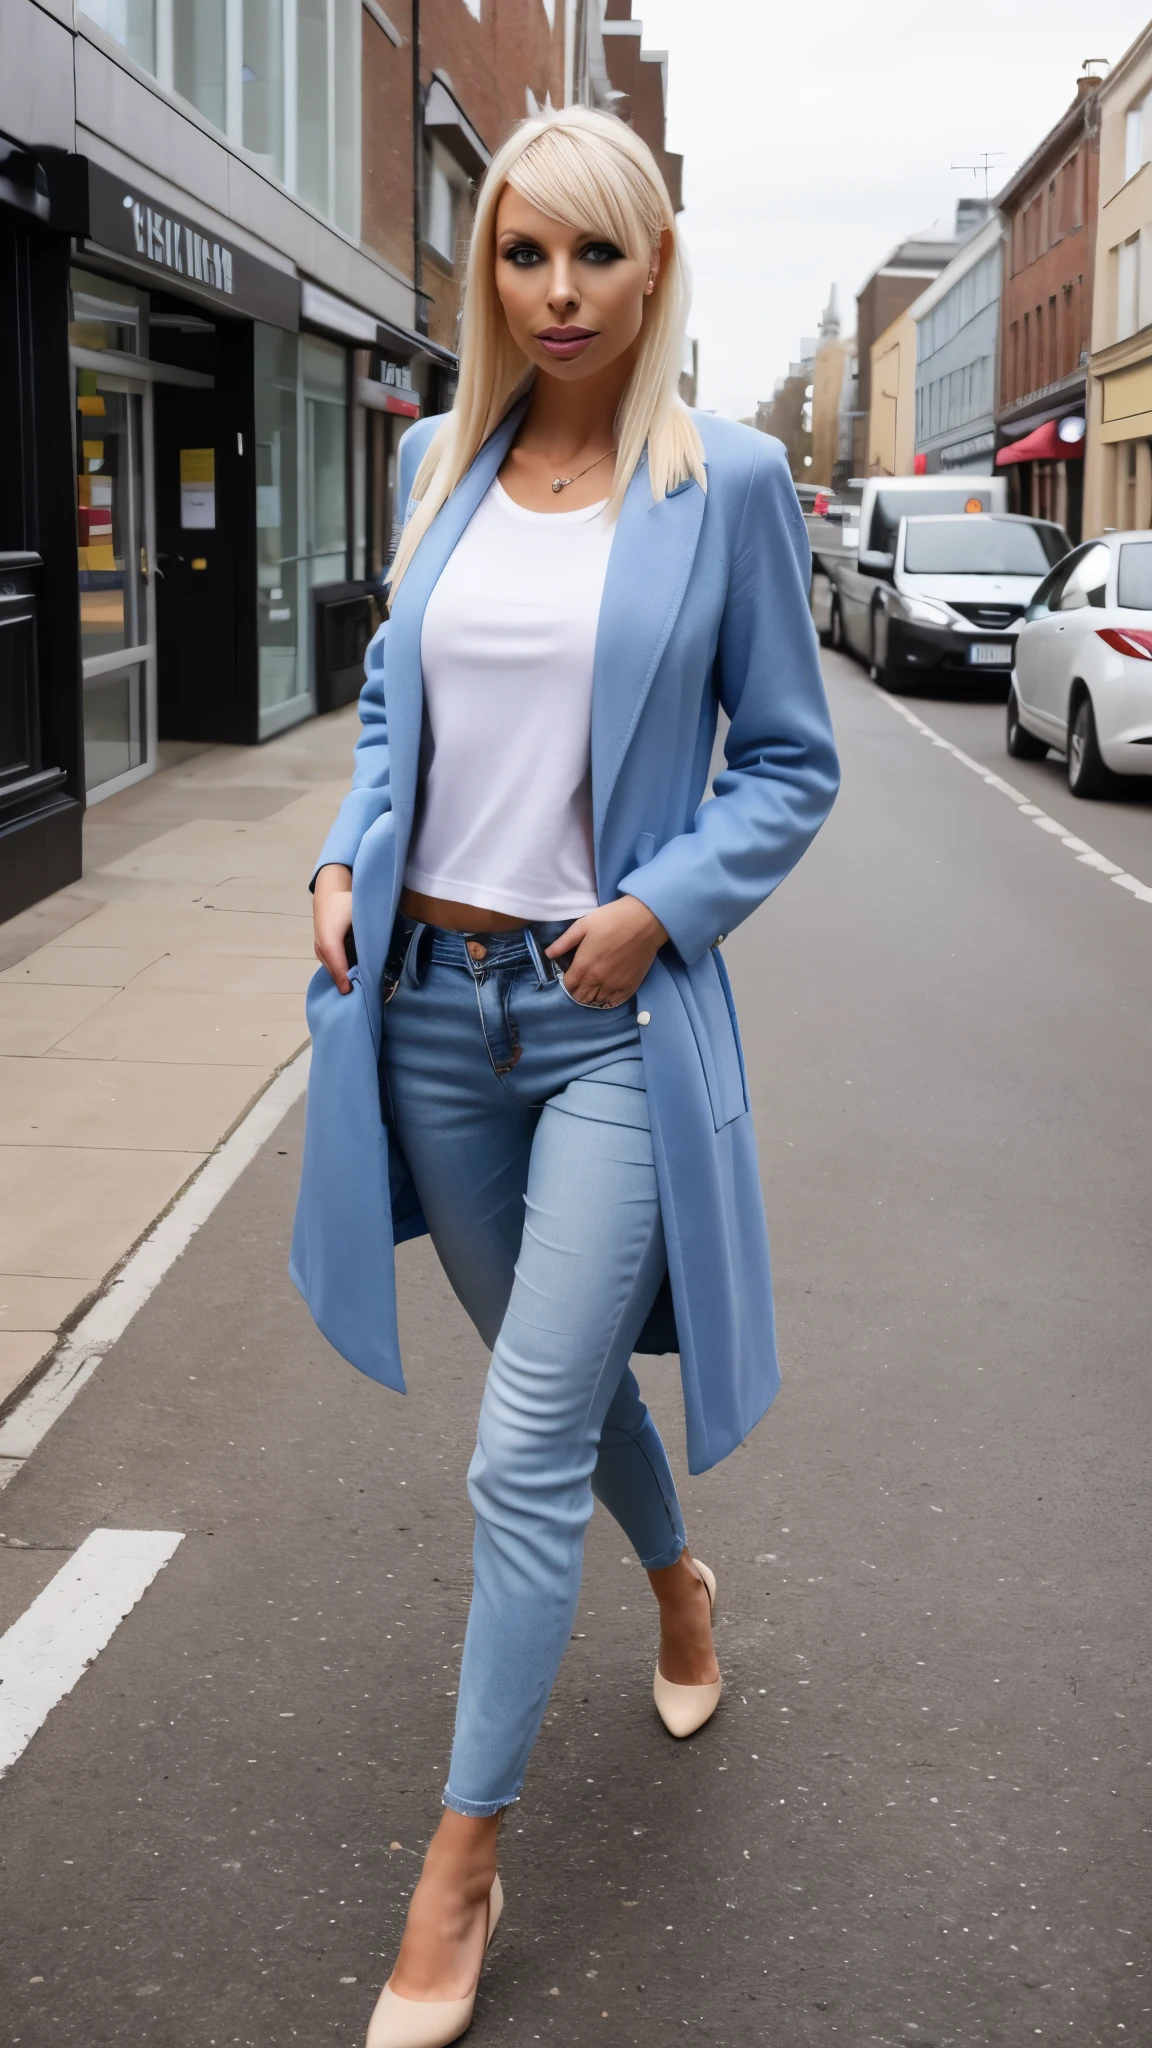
658 256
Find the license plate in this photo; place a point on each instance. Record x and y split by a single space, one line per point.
992 653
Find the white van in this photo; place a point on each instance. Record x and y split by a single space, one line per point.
851 587
955 591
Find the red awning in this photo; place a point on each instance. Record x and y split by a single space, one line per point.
1043 445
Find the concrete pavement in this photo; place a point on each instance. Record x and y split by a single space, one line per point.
921 1814
142 1010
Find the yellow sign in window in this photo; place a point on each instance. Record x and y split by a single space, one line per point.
197 487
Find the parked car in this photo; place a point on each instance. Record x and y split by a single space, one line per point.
948 599
849 541
1083 675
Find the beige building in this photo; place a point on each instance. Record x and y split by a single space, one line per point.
1118 475
892 415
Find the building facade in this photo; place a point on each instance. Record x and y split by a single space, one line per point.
788 413
887 293
833 398
957 328
892 414
1049 211
1118 462
230 236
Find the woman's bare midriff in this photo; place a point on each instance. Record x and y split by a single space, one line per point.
455 917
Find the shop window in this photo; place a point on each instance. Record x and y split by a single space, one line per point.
278 79
301 507
104 314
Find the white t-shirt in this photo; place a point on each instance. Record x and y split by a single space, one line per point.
504 818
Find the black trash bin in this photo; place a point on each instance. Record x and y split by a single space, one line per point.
345 616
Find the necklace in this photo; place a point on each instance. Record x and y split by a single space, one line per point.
561 483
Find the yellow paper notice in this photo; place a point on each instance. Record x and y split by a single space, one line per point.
197 465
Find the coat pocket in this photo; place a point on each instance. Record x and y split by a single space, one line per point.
707 998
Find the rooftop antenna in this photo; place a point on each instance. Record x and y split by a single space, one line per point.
983 168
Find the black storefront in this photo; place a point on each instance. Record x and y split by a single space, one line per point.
202 503
41 748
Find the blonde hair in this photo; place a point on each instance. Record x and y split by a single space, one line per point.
588 170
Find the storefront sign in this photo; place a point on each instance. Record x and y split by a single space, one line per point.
186 253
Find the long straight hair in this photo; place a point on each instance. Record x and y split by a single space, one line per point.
590 171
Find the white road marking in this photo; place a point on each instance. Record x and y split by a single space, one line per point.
68 1624
81 1352
1086 854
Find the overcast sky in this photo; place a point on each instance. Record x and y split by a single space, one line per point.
818 133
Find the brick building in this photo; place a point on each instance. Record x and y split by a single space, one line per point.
229 277
887 293
1049 213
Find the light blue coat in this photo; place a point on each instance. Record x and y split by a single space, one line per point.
705 603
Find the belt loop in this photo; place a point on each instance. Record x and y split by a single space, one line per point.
544 968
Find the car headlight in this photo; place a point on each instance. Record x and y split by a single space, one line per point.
921 611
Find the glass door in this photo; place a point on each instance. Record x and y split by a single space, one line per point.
117 614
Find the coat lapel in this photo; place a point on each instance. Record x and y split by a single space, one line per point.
648 569
403 677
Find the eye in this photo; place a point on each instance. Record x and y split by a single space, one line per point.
601 252
523 255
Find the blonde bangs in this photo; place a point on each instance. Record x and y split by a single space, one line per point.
590 171
571 185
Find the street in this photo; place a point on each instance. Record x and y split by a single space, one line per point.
933 1826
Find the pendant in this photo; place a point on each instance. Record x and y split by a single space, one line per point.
561 483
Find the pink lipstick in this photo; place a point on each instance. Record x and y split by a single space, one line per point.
566 341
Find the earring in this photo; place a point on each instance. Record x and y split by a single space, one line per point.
651 284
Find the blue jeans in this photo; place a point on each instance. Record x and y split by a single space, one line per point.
524 1122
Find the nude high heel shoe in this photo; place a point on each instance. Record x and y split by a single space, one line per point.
428 2023
685 1708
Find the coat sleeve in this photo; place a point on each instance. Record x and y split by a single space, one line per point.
782 773
370 795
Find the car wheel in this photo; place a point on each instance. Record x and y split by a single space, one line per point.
879 671
1022 744
835 636
1087 773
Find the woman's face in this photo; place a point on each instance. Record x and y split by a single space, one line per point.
573 301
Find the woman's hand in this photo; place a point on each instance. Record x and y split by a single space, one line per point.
613 948
332 922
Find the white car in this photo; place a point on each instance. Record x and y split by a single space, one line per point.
1083 675
947 600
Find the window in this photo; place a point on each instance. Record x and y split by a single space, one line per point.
280 78
1085 581
445 186
1127 287
1135 144
1134 588
301 507
975 547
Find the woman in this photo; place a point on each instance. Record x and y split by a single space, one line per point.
534 1055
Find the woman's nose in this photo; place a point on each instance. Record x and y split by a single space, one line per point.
562 292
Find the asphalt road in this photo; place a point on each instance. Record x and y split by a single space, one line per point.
922 1814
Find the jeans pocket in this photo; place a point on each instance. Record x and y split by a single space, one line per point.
597 1009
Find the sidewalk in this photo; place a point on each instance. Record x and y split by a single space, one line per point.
145 1008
